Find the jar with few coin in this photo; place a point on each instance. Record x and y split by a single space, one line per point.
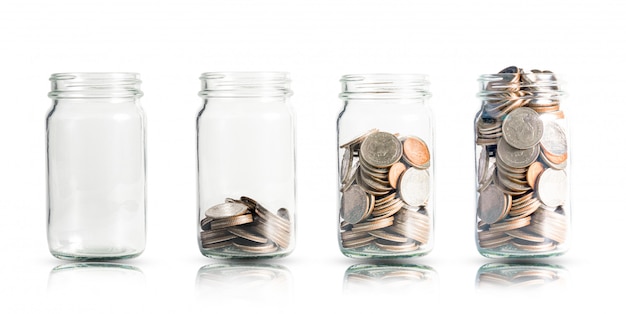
522 165
246 166
385 138
96 171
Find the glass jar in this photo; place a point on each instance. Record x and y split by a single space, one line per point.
246 165
522 166
385 136
96 167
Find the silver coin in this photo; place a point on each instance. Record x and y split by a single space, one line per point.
552 187
483 164
522 128
354 204
381 149
492 205
346 164
554 139
226 210
414 186
516 158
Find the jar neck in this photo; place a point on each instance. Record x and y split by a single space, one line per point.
503 92
244 84
384 86
92 85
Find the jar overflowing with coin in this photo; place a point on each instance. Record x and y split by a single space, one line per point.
385 166
246 165
522 165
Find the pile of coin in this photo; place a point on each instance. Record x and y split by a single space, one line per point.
385 188
244 225
521 169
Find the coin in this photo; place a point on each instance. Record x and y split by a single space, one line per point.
354 204
231 221
381 149
389 236
493 205
396 247
358 139
516 158
255 230
535 169
226 210
394 173
246 234
346 164
416 151
414 186
552 187
253 247
522 128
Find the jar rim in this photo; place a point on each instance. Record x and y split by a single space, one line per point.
243 84
95 85
385 86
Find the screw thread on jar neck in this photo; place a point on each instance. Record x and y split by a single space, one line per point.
95 85
384 86
245 84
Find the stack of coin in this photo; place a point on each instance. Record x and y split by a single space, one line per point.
385 187
521 164
246 226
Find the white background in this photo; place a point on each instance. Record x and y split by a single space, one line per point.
170 43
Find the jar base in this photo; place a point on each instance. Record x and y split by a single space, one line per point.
96 255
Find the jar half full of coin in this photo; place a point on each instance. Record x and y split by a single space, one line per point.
385 166
246 166
522 165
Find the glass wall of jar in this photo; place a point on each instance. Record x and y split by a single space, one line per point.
246 165
385 136
522 165
96 166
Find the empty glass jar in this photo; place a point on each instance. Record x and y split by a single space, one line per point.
246 166
96 166
522 165
385 135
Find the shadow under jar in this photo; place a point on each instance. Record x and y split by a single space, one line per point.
385 164
95 149
522 166
246 166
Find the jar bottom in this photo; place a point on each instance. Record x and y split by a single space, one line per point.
507 253
99 254
374 252
230 255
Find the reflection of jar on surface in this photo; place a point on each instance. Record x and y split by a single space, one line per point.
385 138
522 161
96 166
246 166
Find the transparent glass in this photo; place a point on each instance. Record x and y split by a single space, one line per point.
96 167
246 166
385 145
522 166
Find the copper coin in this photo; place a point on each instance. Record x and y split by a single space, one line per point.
395 172
416 151
535 169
